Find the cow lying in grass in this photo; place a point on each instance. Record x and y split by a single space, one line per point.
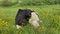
25 16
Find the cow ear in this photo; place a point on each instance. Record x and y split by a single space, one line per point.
20 9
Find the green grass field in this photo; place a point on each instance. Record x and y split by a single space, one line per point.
49 14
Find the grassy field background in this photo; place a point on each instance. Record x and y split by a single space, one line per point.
49 14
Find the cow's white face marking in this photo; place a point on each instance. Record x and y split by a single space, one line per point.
34 20
18 26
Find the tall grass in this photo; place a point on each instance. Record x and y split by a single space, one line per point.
49 14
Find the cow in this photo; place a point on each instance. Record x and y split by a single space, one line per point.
26 16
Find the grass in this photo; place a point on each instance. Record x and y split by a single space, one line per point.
49 14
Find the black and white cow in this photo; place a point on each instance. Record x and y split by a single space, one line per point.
26 16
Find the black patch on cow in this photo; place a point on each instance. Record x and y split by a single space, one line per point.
23 16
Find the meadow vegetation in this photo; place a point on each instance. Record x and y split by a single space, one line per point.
49 14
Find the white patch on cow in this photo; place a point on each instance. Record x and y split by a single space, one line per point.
18 26
34 20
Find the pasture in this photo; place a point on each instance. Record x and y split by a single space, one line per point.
48 14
